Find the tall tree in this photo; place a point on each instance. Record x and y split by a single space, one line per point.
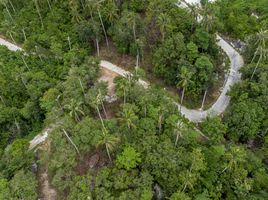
37 7
261 40
97 5
75 109
109 141
185 78
128 115
164 23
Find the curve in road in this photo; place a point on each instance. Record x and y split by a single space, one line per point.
222 102
193 115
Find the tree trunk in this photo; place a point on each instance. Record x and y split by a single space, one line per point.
25 63
134 31
98 48
13 8
24 34
49 5
137 58
124 96
177 135
39 14
76 116
255 54
182 97
65 133
2 100
177 139
104 110
18 126
108 152
11 36
105 34
81 85
98 110
185 185
83 5
256 67
23 82
8 11
57 99
204 99
160 123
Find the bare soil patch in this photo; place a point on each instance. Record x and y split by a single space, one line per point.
92 160
45 190
108 76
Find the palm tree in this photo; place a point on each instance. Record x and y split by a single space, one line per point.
12 6
19 75
39 13
101 96
128 116
204 98
95 100
122 88
96 5
49 5
24 62
112 15
188 179
185 78
4 2
261 51
96 33
208 17
131 20
71 141
109 141
144 102
74 7
139 46
24 34
161 111
75 110
10 33
163 21
235 156
178 131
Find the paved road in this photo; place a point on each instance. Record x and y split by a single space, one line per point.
9 45
222 102
193 115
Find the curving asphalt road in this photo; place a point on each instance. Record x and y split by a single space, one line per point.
193 115
222 102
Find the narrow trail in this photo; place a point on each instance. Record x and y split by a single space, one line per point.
45 190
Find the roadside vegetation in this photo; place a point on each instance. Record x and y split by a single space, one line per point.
138 147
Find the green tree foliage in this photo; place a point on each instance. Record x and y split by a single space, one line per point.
80 188
167 57
156 152
241 18
128 159
23 186
245 121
